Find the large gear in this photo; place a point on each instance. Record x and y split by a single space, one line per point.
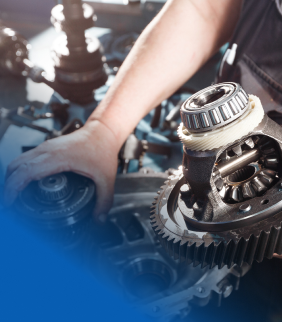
230 247
223 206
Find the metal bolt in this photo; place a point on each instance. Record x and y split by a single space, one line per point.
201 290
245 207
227 290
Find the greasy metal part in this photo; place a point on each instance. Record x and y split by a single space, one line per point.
78 61
201 247
235 163
13 50
79 68
214 107
135 149
153 282
25 116
224 205
57 201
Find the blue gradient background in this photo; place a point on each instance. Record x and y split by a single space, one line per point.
37 284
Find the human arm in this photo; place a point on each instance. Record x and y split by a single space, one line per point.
182 37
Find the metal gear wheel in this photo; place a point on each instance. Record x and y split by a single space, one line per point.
253 242
223 207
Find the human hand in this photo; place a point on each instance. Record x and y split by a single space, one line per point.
91 151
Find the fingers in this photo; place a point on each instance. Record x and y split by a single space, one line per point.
104 197
35 169
20 160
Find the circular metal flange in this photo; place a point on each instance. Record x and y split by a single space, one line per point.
57 201
53 188
214 107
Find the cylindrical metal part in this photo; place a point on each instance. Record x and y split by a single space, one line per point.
214 107
236 163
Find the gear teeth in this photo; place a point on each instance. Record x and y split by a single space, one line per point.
153 220
225 156
207 255
221 256
268 151
251 249
278 247
219 183
248 191
236 193
250 143
230 253
198 253
237 150
218 252
265 179
258 185
176 245
224 192
190 252
182 251
269 172
272 240
262 243
240 251
170 249
271 162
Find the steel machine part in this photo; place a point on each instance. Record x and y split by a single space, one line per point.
78 62
124 250
131 255
223 206
79 68
13 50
58 206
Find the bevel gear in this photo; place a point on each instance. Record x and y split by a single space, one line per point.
223 206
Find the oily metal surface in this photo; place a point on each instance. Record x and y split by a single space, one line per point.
70 208
246 244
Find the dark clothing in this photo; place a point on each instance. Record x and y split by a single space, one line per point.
258 61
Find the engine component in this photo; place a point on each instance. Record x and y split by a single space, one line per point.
78 62
13 50
223 206
130 253
57 201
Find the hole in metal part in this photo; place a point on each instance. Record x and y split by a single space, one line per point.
52 180
146 278
265 202
209 97
242 174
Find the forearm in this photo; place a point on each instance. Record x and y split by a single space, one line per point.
170 50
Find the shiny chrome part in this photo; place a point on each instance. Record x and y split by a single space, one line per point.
214 107
235 163
249 173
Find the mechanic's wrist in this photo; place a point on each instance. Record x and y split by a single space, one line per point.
95 127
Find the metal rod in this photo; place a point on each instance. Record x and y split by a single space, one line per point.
236 163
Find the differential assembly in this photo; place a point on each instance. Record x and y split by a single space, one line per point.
223 206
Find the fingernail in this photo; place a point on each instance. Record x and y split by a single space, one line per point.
102 218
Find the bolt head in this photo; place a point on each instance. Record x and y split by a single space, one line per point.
245 207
